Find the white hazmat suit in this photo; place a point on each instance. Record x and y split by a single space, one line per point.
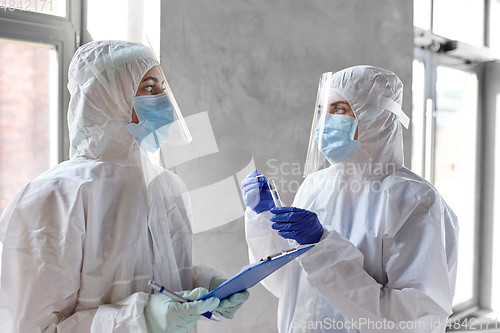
387 259
81 241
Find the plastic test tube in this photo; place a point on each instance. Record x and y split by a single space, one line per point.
278 203
274 193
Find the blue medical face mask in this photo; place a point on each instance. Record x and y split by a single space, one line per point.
156 115
337 141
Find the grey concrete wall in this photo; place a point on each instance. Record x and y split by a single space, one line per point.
254 66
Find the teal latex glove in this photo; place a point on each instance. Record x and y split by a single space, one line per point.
229 305
166 315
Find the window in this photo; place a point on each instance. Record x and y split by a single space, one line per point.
461 20
494 27
418 118
444 121
28 112
455 141
450 101
35 51
422 10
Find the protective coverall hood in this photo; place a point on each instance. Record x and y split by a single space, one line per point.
103 78
375 95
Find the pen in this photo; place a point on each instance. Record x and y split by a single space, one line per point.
171 294
279 254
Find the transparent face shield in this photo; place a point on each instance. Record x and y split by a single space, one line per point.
333 128
160 119
179 132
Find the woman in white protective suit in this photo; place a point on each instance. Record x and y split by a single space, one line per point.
385 251
81 241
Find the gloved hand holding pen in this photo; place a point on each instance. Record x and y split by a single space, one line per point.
166 315
256 192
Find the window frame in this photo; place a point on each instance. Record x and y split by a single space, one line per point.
431 61
435 51
61 32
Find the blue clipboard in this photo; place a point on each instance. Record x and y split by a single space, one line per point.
252 274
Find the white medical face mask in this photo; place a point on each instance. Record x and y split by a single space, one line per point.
337 140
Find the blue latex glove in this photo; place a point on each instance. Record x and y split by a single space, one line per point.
229 305
164 314
256 193
299 224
